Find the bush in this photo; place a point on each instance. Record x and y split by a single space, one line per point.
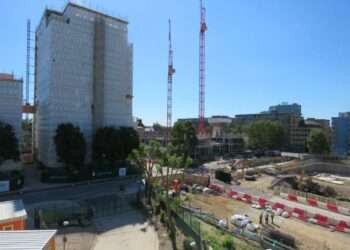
187 244
228 243
112 145
70 146
9 143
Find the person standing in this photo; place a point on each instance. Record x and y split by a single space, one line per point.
272 217
261 218
266 218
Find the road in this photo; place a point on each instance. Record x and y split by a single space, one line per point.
74 191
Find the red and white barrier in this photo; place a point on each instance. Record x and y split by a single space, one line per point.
312 202
299 213
278 205
321 220
247 198
332 207
216 187
292 197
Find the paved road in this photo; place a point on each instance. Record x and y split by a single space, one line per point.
74 192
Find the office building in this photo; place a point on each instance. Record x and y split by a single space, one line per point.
341 134
286 108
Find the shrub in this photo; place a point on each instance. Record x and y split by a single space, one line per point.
228 243
187 244
113 145
9 143
70 146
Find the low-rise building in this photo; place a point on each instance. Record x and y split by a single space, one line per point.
13 216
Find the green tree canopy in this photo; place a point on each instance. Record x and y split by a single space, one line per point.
265 134
146 158
317 142
184 139
70 145
111 145
8 143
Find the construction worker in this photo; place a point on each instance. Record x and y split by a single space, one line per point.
261 218
266 218
272 217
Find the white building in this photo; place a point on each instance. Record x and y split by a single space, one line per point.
11 102
83 75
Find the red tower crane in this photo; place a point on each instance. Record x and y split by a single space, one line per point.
171 71
203 29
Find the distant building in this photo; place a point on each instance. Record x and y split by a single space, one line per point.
301 129
295 126
219 125
341 134
11 101
219 141
83 75
286 108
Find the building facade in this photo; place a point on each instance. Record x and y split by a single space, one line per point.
296 128
341 134
293 108
83 75
11 102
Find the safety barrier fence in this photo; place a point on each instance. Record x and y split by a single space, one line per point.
307 216
261 240
314 200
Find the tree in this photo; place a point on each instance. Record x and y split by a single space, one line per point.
145 159
317 142
112 145
265 134
8 143
70 146
129 140
184 140
105 147
157 127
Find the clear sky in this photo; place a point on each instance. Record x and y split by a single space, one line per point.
259 52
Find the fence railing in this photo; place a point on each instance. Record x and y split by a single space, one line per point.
262 240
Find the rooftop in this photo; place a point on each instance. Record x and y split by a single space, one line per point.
74 5
25 240
11 210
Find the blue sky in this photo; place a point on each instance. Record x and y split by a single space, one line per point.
259 53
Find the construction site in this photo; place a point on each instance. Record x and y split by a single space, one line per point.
276 200
309 200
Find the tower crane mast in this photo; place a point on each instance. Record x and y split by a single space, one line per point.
171 71
203 29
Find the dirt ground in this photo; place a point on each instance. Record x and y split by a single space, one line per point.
308 236
261 184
